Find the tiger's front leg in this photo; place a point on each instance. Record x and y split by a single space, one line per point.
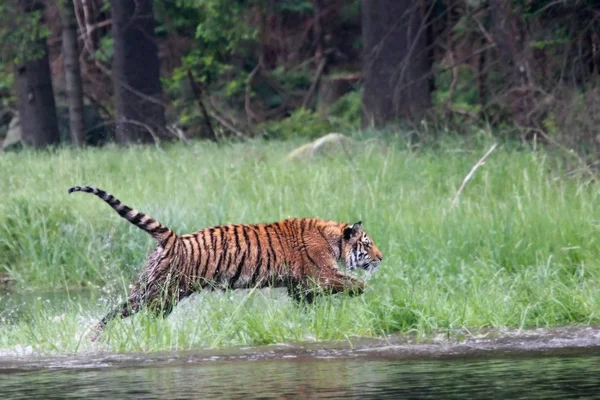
335 281
329 280
301 293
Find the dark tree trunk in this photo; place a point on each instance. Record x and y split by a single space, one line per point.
35 96
397 62
511 42
72 72
140 111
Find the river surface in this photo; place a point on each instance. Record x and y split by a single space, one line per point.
292 374
538 364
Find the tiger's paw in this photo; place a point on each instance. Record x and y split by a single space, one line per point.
95 332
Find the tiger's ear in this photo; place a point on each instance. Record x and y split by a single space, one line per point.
352 230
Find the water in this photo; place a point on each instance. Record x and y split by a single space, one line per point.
18 304
570 374
538 364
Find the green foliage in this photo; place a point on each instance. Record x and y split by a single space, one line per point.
295 6
351 11
302 123
280 83
344 115
346 112
237 85
550 125
6 86
299 79
221 34
219 14
105 49
464 93
219 29
20 34
520 249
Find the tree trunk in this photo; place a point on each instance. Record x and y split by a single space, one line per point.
397 62
35 96
512 46
136 74
72 72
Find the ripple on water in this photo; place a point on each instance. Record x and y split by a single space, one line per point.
308 375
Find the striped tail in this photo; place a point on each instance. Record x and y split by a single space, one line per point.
157 230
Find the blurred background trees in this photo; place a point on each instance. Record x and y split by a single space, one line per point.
91 71
73 82
31 69
139 108
397 64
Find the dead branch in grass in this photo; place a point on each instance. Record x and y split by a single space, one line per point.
471 173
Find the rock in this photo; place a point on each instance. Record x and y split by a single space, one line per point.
13 136
328 145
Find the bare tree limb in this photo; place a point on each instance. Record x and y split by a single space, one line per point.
92 28
177 132
471 173
225 123
484 31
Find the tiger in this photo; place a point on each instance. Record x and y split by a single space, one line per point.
300 254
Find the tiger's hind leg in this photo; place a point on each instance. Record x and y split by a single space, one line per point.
152 296
123 310
158 289
161 304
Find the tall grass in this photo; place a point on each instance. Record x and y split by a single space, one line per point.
520 250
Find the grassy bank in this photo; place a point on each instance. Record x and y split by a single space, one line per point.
520 250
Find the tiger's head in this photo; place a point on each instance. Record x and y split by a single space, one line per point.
359 251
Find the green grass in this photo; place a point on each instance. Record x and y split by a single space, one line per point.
520 250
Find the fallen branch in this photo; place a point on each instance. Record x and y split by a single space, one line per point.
471 173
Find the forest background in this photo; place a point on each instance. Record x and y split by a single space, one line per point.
92 71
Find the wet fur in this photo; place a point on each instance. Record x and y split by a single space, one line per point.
293 253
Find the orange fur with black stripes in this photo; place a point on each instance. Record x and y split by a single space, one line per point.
294 253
